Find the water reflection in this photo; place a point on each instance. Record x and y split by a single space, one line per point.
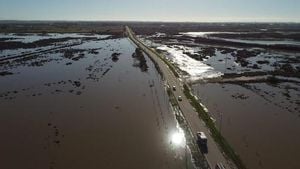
93 103
177 138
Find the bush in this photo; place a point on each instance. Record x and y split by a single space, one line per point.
273 79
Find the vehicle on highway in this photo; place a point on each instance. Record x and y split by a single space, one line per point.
174 88
179 98
201 138
202 142
219 166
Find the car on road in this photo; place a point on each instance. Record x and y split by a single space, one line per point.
174 88
179 98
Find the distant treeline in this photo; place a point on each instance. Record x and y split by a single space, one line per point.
148 28
60 27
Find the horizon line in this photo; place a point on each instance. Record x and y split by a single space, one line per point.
149 21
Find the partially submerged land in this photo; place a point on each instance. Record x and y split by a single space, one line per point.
243 78
231 66
73 104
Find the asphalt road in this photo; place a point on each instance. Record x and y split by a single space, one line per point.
214 154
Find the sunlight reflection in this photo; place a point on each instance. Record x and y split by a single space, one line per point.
177 138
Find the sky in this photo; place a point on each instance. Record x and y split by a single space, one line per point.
153 10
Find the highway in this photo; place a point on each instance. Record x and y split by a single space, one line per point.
214 155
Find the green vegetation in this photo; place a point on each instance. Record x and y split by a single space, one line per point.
215 133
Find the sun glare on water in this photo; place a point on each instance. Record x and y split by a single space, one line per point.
177 138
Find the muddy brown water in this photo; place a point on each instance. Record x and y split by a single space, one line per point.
263 129
90 113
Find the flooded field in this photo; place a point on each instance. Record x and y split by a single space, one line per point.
250 84
84 102
263 126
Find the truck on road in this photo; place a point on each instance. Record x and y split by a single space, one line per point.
202 142
201 138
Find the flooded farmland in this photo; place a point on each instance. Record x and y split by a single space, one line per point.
84 101
263 129
249 83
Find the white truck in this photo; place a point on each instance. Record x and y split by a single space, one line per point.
201 138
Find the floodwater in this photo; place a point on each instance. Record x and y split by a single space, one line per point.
249 41
265 42
260 121
89 112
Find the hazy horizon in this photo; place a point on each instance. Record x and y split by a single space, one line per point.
157 21
152 11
